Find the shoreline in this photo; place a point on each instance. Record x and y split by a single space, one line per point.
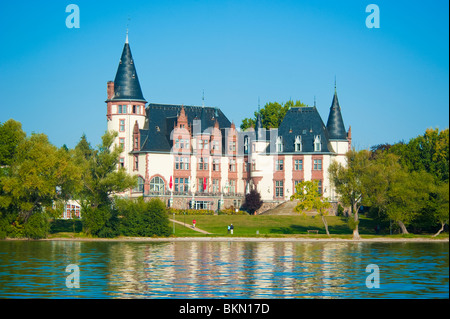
237 239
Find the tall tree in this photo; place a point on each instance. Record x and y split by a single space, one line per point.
39 175
349 182
440 201
307 192
428 152
272 114
101 178
395 191
11 135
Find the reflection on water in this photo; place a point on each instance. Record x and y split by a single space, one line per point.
33 269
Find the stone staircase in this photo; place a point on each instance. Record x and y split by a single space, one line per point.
286 208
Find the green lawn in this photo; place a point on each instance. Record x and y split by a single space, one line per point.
247 225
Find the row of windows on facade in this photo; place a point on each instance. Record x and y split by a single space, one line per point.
182 185
134 109
71 211
215 144
182 163
203 144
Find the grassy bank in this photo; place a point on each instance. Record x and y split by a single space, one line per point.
246 225
267 226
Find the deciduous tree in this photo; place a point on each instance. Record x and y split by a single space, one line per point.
307 192
349 181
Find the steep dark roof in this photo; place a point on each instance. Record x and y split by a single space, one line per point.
306 123
126 83
161 119
335 123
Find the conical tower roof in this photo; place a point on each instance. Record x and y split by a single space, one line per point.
126 83
335 123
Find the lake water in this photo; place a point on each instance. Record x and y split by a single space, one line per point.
37 269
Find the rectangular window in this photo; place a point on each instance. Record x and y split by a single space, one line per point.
181 185
215 186
202 185
232 188
232 165
279 189
122 109
181 163
298 165
136 162
317 165
122 125
296 183
122 143
203 163
279 166
216 164
121 162
215 145
232 146
205 144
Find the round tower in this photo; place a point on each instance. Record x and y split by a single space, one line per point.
126 107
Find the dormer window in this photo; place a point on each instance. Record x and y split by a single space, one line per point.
279 144
298 143
317 144
246 145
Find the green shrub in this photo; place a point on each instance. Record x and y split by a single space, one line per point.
231 211
170 211
100 221
143 219
37 226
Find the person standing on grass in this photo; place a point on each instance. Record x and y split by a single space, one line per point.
228 227
231 229
193 223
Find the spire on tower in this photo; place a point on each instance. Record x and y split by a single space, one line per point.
126 82
335 123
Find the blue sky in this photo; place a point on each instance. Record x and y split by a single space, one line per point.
392 82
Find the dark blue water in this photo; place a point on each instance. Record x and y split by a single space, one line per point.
35 269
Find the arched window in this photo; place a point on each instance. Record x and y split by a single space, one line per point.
140 185
157 185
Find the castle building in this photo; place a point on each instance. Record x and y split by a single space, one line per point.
194 157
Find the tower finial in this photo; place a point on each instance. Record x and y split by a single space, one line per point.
334 83
314 101
203 98
259 106
128 22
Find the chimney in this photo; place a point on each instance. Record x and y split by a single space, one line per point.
110 90
349 138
